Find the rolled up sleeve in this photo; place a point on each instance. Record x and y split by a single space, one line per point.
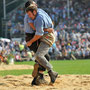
39 26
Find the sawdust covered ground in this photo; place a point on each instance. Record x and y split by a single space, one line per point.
63 82
14 67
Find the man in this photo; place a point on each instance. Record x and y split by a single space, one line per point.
41 21
30 32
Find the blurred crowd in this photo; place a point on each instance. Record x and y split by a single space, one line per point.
71 45
15 50
78 18
72 30
15 23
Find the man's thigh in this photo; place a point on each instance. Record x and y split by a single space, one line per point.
34 45
42 49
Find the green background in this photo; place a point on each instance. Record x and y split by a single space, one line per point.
60 66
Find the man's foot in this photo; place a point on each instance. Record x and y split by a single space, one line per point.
39 80
35 71
34 81
53 75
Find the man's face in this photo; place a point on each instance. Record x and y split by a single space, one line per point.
31 15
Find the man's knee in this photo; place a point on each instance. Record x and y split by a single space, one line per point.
38 56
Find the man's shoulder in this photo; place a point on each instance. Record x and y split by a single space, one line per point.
25 16
40 10
39 17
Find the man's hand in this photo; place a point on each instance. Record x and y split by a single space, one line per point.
35 38
29 43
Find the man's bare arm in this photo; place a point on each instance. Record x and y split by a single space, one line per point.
32 26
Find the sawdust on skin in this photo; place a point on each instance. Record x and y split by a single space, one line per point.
63 82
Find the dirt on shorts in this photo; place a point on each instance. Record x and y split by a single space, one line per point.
63 82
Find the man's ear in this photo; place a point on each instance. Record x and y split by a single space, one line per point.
34 12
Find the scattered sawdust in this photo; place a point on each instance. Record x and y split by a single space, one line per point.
15 67
63 82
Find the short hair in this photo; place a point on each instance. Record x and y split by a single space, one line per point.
31 8
28 3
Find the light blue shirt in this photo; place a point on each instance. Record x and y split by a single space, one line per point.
42 21
27 27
